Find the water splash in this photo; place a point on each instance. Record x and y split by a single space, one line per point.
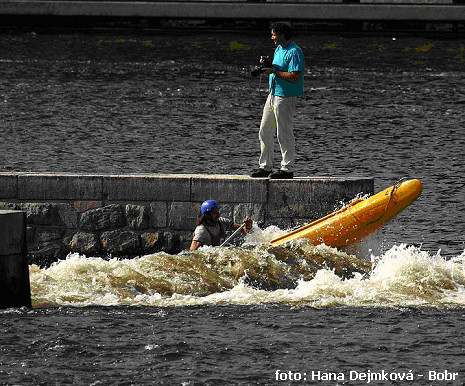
255 273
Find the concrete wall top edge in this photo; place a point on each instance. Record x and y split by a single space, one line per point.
153 187
234 190
69 174
59 186
8 186
175 176
6 211
146 187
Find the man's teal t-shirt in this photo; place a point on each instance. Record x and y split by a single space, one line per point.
288 59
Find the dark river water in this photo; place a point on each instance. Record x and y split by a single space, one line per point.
386 107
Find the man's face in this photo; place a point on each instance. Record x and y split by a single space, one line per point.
277 39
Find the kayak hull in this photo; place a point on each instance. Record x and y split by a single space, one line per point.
358 219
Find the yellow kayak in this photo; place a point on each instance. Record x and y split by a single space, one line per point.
359 218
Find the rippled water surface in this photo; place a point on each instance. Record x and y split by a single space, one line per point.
377 106
152 102
227 345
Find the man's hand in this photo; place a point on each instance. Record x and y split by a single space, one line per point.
266 62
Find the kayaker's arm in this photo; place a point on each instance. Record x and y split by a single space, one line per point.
194 245
248 225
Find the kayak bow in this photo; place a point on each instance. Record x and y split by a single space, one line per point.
358 219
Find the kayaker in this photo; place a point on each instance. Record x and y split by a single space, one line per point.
211 228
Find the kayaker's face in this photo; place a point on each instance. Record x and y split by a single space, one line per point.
214 215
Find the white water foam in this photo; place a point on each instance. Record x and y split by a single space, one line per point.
403 276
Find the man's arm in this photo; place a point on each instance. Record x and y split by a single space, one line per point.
292 77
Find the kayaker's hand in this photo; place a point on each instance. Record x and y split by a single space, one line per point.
248 223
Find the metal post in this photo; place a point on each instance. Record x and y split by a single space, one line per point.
15 289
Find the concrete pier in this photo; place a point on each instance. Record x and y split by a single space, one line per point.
133 215
310 10
15 288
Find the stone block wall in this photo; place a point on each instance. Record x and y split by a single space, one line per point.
133 215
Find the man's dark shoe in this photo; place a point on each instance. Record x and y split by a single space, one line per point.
260 173
282 175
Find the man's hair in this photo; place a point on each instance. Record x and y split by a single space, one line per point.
283 29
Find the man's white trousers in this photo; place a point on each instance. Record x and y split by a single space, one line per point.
278 117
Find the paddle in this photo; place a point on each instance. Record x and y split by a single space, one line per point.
234 234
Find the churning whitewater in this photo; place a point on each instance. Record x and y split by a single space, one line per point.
255 273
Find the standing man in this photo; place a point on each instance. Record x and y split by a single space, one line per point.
286 82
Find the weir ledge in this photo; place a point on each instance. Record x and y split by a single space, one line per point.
133 215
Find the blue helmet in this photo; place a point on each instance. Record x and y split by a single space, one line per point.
208 205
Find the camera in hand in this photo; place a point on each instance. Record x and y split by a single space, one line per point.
257 70
265 65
